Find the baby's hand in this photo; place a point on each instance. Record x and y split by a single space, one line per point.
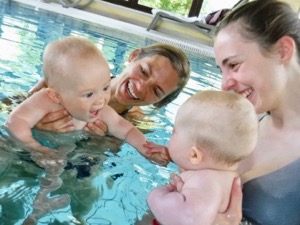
157 153
158 159
177 182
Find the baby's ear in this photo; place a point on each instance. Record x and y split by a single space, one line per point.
53 95
196 156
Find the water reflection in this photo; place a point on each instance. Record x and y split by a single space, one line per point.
101 177
51 181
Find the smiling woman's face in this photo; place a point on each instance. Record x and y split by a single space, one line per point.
146 81
247 71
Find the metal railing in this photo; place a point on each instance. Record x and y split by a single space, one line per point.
77 4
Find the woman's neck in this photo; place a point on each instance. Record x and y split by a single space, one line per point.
287 110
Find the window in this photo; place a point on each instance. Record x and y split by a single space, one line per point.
182 7
209 6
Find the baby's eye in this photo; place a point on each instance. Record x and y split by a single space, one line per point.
88 95
106 88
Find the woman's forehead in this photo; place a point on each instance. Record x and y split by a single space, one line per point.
228 44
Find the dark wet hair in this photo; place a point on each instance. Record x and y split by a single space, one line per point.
178 60
265 22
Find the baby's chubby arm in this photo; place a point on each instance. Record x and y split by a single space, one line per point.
123 129
24 117
186 202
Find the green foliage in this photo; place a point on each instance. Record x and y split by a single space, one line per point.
179 6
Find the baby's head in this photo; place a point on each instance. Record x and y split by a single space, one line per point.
70 59
221 126
77 76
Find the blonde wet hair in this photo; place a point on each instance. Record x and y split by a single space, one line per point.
59 57
224 124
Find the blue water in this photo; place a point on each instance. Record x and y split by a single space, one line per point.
94 180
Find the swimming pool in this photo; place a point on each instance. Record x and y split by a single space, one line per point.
102 181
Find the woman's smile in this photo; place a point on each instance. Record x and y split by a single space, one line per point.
131 92
246 93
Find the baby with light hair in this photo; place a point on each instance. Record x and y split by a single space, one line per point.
78 79
213 131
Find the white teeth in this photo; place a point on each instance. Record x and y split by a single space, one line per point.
247 93
131 92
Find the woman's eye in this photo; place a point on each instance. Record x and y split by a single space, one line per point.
144 71
233 66
156 92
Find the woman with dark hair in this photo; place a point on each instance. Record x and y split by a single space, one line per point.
257 48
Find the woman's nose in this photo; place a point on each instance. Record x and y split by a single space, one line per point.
228 83
142 85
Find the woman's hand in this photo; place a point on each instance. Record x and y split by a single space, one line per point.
233 214
60 121
38 86
98 127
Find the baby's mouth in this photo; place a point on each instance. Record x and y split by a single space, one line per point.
95 113
130 91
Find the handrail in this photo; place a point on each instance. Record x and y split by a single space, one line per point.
74 5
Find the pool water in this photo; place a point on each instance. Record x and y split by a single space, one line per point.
94 180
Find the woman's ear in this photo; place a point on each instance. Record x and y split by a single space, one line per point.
133 55
53 95
287 48
196 156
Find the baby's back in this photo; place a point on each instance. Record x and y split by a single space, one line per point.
214 186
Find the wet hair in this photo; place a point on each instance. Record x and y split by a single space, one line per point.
226 125
178 60
265 22
59 56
